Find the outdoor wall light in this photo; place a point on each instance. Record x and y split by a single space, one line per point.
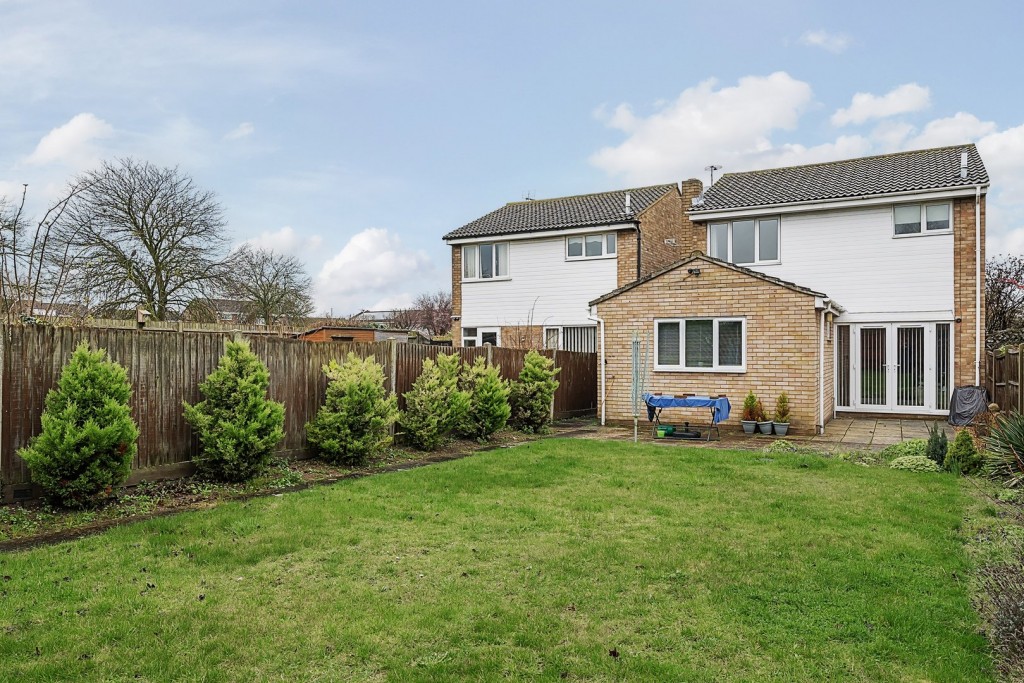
693 271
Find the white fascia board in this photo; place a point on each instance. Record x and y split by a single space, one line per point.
845 203
543 234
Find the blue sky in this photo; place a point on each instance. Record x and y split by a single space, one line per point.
355 134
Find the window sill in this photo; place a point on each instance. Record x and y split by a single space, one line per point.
487 279
927 233
755 264
721 371
591 258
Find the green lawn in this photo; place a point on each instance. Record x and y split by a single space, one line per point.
525 563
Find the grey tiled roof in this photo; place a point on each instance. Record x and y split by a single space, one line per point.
602 208
927 169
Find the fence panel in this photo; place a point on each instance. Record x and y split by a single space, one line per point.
166 369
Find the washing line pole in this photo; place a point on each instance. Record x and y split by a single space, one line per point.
636 384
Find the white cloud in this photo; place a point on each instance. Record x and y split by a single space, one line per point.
953 130
72 144
243 130
374 263
909 97
705 125
286 241
833 42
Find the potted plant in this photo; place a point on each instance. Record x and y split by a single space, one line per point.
782 414
749 416
764 425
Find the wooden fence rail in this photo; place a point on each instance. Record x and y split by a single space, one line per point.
166 369
1004 374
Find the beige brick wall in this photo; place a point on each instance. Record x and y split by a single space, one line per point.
964 260
625 261
782 343
662 220
522 336
457 294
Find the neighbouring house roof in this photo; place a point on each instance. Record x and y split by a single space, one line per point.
360 328
534 215
725 264
924 169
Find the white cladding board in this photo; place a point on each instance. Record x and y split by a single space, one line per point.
543 287
852 256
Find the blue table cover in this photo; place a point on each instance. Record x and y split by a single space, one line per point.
720 404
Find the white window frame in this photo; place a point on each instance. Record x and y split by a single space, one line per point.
480 332
716 367
549 329
757 240
924 219
476 247
604 246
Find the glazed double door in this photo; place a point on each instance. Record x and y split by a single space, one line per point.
894 367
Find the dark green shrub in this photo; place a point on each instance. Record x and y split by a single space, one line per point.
355 421
237 425
531 395
88 437
435 407
962 457
937 444
915 463
1004 459
903 449
488 400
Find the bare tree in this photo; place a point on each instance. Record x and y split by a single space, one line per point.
435 311
407 319
272 287
1004 300
141 235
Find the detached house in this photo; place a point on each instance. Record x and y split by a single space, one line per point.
523 275
854 286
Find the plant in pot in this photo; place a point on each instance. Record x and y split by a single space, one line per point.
764 425
749 416
782 414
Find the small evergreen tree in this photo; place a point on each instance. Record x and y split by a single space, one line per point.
782 408
962 456
88 437
531 395
750 407
937 445
489 409
435 406
355 421
237 425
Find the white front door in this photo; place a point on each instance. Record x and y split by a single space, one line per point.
894 367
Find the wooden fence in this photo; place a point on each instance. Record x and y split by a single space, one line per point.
166 369
1004 374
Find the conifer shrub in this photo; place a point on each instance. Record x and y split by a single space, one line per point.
782 408
530 396
355 421
750 407
435 407
962 457
937 444
488 405
88 438
237 424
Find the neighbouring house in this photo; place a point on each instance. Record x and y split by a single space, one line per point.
349 333
855 286
523 275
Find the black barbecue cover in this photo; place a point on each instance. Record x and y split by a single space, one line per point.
967 403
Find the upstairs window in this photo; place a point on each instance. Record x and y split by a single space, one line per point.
485 261
921 219
746 242
597 245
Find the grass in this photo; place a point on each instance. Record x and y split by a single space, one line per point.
540 562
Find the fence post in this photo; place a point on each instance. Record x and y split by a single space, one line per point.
490 356
554 360
393 355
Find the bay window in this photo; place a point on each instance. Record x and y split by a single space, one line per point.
745 242
700 344
485 261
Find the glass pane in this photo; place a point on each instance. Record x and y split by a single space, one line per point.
468 262
873 366
908 219
594 245
942 388
720 241
469 342
699 343
501 259
843 373
910 366
730 342
610 242
768 239
743 242
551 338
486 260
489 338
937 217
668 343
575 246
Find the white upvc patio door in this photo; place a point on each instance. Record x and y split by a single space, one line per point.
894 367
